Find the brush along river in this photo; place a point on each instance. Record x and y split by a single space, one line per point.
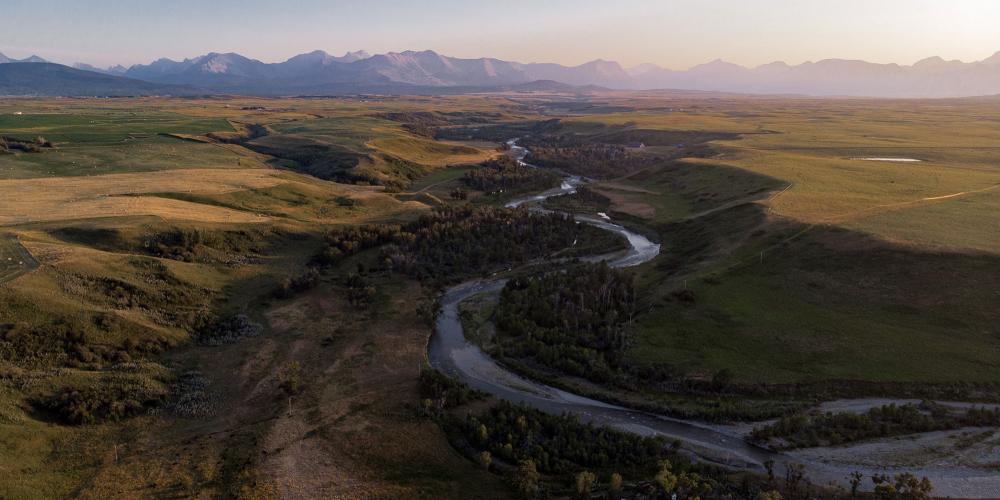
450 353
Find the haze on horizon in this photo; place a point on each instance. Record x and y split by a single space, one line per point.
671 33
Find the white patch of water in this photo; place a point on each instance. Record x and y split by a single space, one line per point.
901 160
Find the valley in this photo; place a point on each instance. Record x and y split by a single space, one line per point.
247 297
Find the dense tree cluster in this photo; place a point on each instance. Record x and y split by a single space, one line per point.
118 396
548 455
903 486
455 241
498 132
584 199
441 391
361 293
801 431
591 160
175 243
560 444
574 321
505 174
306 280
342 242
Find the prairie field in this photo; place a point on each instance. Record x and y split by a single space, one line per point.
823 266
136 226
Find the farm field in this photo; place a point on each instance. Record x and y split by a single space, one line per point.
176 254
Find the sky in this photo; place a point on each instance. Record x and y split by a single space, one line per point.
672 33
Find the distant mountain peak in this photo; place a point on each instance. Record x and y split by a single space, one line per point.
993 60
930 61
48 79
117 70
323 58
357 55
602 63
718 65
32 59
936 63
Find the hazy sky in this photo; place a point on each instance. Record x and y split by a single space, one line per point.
672 33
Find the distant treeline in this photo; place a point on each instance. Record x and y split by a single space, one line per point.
456 241
561 444
590 160
598 150
801 431
550 456
504 174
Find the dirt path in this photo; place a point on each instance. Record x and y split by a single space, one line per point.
855 215
904 204
15 260
736 203
428 187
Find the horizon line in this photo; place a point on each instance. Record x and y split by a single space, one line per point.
30 54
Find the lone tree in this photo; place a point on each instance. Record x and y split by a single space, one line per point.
615 488
485 460
666 478
584 483
856 478
906 487
526 478
290 378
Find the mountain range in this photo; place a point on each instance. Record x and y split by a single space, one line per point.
32 59
47 79
320 73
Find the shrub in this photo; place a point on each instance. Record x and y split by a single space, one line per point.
297 284
445 391
117 395
229 330
290 378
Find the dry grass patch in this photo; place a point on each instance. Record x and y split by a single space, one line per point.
86 197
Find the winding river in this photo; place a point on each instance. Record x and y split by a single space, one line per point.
451 353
